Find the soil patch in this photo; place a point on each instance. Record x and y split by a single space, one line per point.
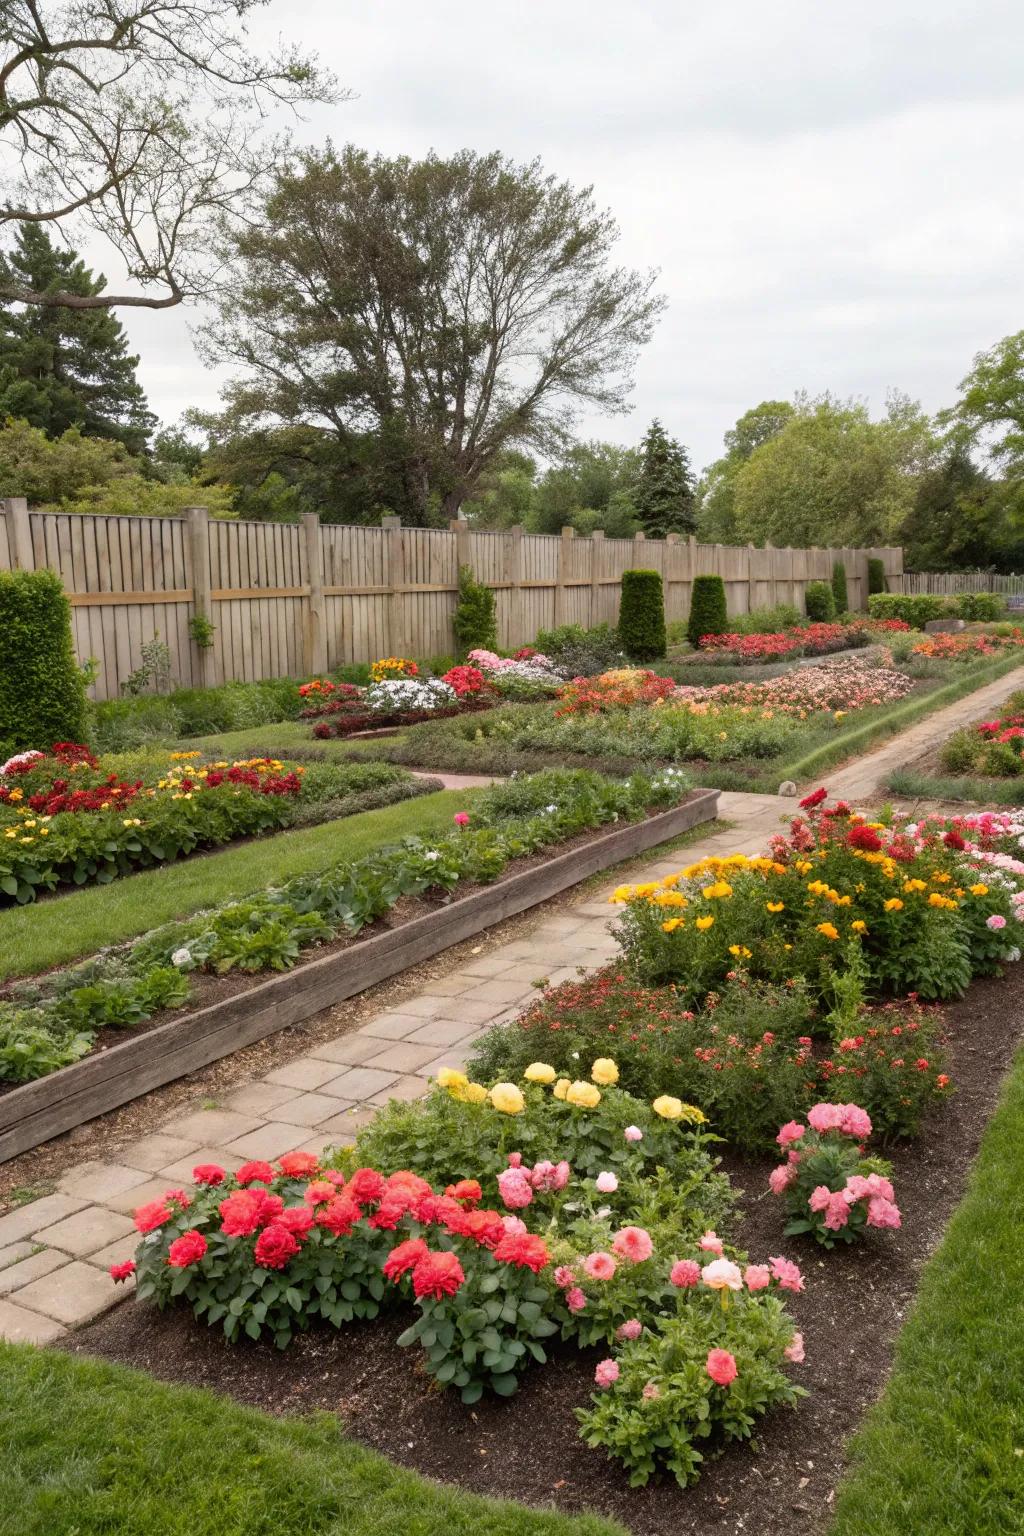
527 1447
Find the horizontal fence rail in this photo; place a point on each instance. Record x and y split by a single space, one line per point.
300 598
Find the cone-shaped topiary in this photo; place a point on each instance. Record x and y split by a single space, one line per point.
820 602
708 615
876 575
42 695
839 587
474 621
642 615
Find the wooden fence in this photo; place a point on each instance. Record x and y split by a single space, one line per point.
946 583
297 599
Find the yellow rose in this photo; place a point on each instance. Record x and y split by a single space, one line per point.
507 1098
704 923
894 904
859 927
473 1093
561 1088
450 1079
583 1094
604 1071
979 889
540 1072
774 906
668 1107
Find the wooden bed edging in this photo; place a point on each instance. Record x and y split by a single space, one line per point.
37 1111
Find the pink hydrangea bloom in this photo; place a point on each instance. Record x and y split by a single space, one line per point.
878 1184
757 1277
790 1132
599 1266
515 1159
857 1188
722 1275
633 1133
781 1178
787 1274
633 1243
684 1273
606 1183
882 1213
631 1329
575 1299
606 1373
711 1243
794 1350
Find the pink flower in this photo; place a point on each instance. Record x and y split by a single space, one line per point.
995 922
791 1131
122 1271
515 1188
461 819
318 1191
152 1215
794 1350
651 1392
722 1275
631 1329
633 1243
721 1367
187 1249
820 1198
606 1183
575 1300
837 1212
856 1122
513 1224
787 1274
711 1243
882 1213
607 1373
757 1277
633 1133
684 1273
878 1185
208 1173
599 1266
254 1173
564 1277
825 1117
515 1159
781 1178
857 1188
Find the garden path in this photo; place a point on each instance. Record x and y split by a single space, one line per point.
55 1251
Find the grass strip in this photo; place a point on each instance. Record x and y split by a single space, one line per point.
943 1450
91 1449
63 928
927 786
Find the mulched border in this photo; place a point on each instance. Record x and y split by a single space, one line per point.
527 1447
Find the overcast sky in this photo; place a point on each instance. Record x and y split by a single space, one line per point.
832 194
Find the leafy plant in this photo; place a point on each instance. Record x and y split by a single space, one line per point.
42 692
708 613
876 575
839 593
832 1191
202 630
642 615
819 600
154 670
474 620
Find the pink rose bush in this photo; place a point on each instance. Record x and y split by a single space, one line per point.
831 1189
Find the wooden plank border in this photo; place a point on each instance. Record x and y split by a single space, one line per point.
34 1113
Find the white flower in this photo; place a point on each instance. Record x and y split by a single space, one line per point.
551 809
605 1210
431 855
181 957
1012 955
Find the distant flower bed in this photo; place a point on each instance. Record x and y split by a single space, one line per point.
994 748
968 646
835 686
812 640
619 689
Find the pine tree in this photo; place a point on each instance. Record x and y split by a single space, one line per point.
60 367
664 494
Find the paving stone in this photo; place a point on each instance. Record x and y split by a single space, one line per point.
497 992
181 1171
129 1200
455 1059
14 1252
342 1129
361 1083
392 1026
270 1140
305 1073
86 1231
151 1153
117 1252
406 1089
311 1108
97 1180
31 1218
448 986
319 1145
485 965
208 1127
350 1050
422 1007
403 1056
20 1326
73 1294
441 1032
260 1098
31 1268
459 1010
525 971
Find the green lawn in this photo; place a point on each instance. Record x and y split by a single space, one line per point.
64 928
943 1451
91 1449
279 738
977 791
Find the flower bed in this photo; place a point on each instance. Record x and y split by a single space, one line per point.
994 748
819 639
968 646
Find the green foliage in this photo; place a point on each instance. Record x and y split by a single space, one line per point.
202 630
474 620
820 602
915 608
642 615
663 493
839 587
591 488
581 652
154 669
42 696
118 725
959 519
981 607
717 491
708 614
876 574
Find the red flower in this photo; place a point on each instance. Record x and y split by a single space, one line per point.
437 1275
466 1190
366 1185
339 1215
270 1207
298 1165
275 1246
389 1213
405 1257
154 1214
255 1173
297 1219
954 840
437 1208
524 1250
864 838
484 1227
404 1181
187 1249
122 1271
240 1213
814 798
208 1173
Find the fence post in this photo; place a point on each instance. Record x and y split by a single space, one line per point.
561 616
394 579
198 519
513 575
314 635
596 550
19 534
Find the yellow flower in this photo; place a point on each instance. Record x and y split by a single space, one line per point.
937 900
561 1088
803 866
44 831
894 904
859 926
30 823
740 951
719 891
775 906
473 1093
979 889
671 924
828 931
448 1077
914 885
507 1098
583 1094
704 923
621 893
668 1107
15 795
540 1072
11 832
604 1071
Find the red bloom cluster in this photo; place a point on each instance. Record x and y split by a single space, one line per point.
466 681
864 838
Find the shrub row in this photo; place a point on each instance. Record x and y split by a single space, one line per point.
919 608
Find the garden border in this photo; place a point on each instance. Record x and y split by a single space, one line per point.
37 1111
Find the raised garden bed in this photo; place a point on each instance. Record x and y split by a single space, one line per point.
31 1114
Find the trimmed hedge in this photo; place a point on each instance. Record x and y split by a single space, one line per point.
839 587
708 613
42 693
642 615
920 608
876 574
474 620
820 602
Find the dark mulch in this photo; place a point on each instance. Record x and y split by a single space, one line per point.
527 1447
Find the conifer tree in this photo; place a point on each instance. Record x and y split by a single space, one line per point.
664 493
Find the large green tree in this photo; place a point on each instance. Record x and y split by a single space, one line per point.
591 488
60 367
716 514
452 308
664 491
990 411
